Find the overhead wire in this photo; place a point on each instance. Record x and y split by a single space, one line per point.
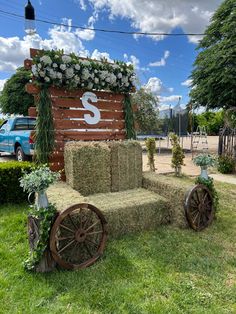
103 29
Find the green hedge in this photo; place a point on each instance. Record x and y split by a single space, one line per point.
10 173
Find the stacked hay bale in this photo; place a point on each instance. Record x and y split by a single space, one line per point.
173 189
100 167
126 165
87 167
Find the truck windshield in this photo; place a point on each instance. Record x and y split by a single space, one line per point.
25 124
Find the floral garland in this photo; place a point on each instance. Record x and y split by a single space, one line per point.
70 71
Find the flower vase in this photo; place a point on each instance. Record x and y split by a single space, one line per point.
204 173
41 199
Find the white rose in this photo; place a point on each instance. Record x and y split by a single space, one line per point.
47 79
39 66
42 73
119 75
90 85
63 67
55 65
46 60
66 59
77 67
59 75
34 69
69 73
96 80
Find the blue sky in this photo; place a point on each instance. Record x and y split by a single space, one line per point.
163 64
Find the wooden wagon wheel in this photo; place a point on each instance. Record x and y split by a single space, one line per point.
78 236
199 207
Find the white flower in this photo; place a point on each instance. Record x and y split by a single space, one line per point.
69 73
63 67
54 65
85 62
66 59
96 80
77 67
52 74
108 80
119 75
39 66
90 85
42 73
77 79
47 79
59 75
85 74
34 69
46 60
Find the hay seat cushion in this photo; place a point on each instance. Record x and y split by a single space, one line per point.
172 188
126 212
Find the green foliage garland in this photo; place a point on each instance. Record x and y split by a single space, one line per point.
44 128
46 217
209 183
129 118
151 148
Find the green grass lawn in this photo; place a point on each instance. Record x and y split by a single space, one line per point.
166 271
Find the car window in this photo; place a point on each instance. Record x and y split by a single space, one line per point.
25 124
5 126
31 123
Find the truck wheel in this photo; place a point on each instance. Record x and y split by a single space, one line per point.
20 155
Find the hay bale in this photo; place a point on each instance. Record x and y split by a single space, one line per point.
87 167
63 196
131 211
126 165
173 189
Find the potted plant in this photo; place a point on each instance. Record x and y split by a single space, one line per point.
37 182
204 161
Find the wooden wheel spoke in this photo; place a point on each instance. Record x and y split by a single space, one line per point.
87 221
71 242
65 238
93 225
88 250
94 232
66 228
90 241
72 221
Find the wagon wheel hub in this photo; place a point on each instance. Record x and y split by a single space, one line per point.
80 235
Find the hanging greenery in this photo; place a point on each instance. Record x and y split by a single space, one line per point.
209 183
44 137
129 118
46 218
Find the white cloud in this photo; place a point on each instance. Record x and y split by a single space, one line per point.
187 83
162 62
162 16
100 55
172 98
14 50
154 85
132 60
82 4
88 34
2 82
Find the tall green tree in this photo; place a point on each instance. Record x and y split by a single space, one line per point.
214 73
146 115
14 99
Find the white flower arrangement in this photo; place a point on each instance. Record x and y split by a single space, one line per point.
70 71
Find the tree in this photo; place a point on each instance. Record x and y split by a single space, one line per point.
14 99
146 115
214 73
213 121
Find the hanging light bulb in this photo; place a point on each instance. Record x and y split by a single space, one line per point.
30 28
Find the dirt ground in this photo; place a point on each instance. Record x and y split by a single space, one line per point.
163 158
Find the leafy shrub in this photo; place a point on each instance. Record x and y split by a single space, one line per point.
177 154
10 173
151 148
226 164
204 160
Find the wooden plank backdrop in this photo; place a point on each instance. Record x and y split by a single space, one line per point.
68 117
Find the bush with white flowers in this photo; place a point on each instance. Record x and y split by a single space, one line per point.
69 71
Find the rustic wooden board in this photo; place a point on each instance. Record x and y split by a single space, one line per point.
74 124
73 113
